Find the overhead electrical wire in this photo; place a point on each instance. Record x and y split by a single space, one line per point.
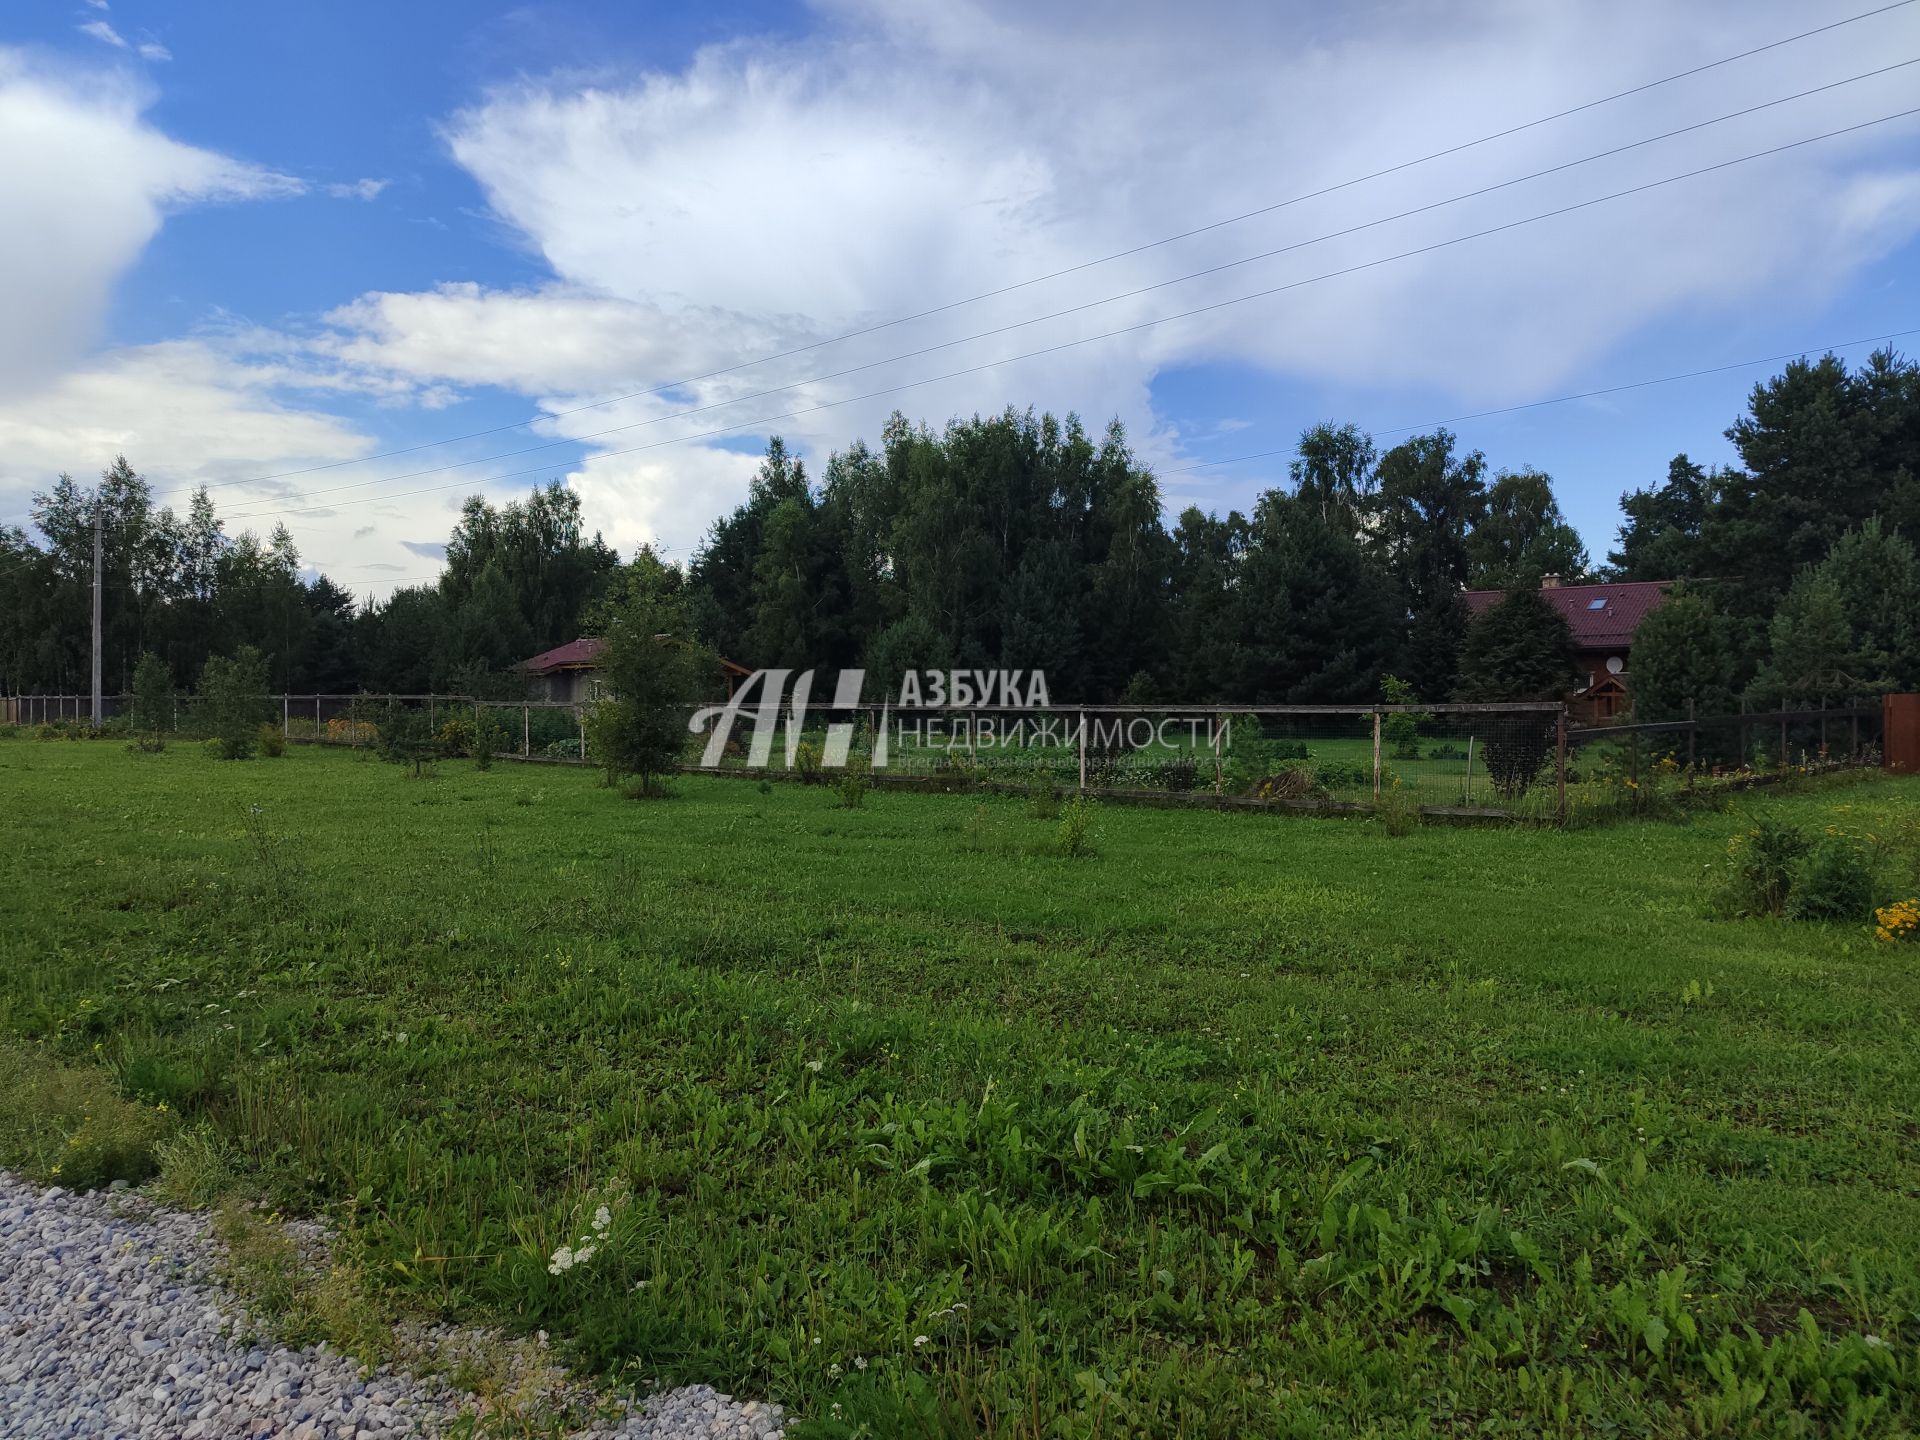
1108 299
1130 329
1787 355
1244 215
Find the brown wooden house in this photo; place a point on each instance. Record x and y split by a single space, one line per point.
1603 619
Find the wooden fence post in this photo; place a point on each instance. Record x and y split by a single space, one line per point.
1693 731
1376 756
1781 763
1560 766
580 714
1218 776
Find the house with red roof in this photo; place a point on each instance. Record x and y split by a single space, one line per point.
570 673
1603 619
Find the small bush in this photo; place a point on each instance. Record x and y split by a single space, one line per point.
270 741
1398 810
1760 869
68 1125
806 764
645 787
852 788
1834 882
1043 800
458 736
1446 750
152 744
1075 836
1331 775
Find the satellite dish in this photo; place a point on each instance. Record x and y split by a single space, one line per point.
1615 664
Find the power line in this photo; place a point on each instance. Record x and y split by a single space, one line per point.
1090 264
1109 299
1130 329
1580 395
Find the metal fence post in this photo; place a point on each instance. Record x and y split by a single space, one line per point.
286 714
580 714
1782 762
1376 756
1218 776
526 730
1083 749
1693 732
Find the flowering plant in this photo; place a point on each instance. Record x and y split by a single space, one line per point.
1898 921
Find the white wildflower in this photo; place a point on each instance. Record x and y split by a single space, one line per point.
859 1362
920 1340
816 1065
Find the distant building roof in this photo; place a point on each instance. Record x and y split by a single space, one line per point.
574 655
584 654
1602 617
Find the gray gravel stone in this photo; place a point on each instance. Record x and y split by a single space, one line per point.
113 1323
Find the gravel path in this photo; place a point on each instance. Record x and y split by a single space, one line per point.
112 1323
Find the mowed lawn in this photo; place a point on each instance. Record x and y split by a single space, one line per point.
1243 1125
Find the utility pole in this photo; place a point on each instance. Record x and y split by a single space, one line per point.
96 610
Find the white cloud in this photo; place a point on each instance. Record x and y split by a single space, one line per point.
358 189
153 50
771 194
88 184
103 32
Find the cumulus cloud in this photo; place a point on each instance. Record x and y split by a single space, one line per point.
88 183
773 194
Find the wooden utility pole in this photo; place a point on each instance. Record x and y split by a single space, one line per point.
96 609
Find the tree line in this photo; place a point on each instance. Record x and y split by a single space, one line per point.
1021 541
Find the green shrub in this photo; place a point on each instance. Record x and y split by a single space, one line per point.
232 700
806 764
406 738
68 1125
151 705
488 740
602 723
1044 800
271 742
1398 810
852 787
1075 836
1331 775
1833 882
1760 868
458 736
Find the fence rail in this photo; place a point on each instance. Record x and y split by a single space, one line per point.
1520 759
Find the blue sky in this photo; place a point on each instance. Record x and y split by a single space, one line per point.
247 241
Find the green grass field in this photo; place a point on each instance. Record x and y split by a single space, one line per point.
1243 1125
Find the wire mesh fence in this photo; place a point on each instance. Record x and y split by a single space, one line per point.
1518 760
